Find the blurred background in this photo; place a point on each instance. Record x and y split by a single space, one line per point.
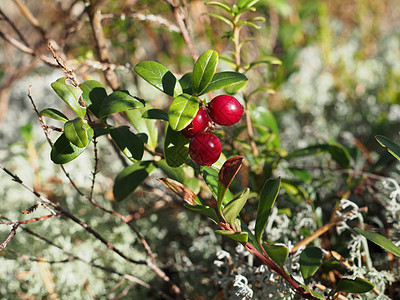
338 80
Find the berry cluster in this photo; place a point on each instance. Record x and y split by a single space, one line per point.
205 147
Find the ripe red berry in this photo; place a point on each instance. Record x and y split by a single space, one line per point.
198 125
225 110
205 149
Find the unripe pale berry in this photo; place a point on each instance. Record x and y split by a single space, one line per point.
205 149
225 110
198 125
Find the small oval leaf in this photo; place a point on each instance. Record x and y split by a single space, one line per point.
182 111
234 207
176 148
357 285
380 240
186 83
63 151
268 195
390 146
204 70
69 94
278 253
310 260
76 131
159 76
156 114
240 237
204 210
119 101
130 178
225 79
128 142
93 94
54 114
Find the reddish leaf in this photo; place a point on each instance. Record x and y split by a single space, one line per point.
182 191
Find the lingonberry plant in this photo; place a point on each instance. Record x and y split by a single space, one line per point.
192 140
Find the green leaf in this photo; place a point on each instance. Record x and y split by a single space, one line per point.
261 115
128 142
76 131
240 237
310 260
204 210
176 148
186 83
278 253
63 151
340 155
389 145
182 111
70 95
226 174
225 79
357 285
181 191
295 191
219 4
54 114
241 4
177 174
234 88
159 76
204 70
268 195
210 176
270 60
380 240
233 208
144 126
119 101
156 114
130 178
222 18
94 94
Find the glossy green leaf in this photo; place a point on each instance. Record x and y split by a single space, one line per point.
210 176
234 207
380 240
263 116
177 174
240 237
176 148
54 114
278 253
119 101
69 94
143 125
225 79
160 77
267 198
235 88
156 114
182 111
266 60
128 142
204 70
340 155
204 210
130 178
310 260
226 174
186 83
181 191
389 145
94 94
63 151
76 131
295 191
357 285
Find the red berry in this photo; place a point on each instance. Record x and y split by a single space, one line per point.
199 124
225 110
205 149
